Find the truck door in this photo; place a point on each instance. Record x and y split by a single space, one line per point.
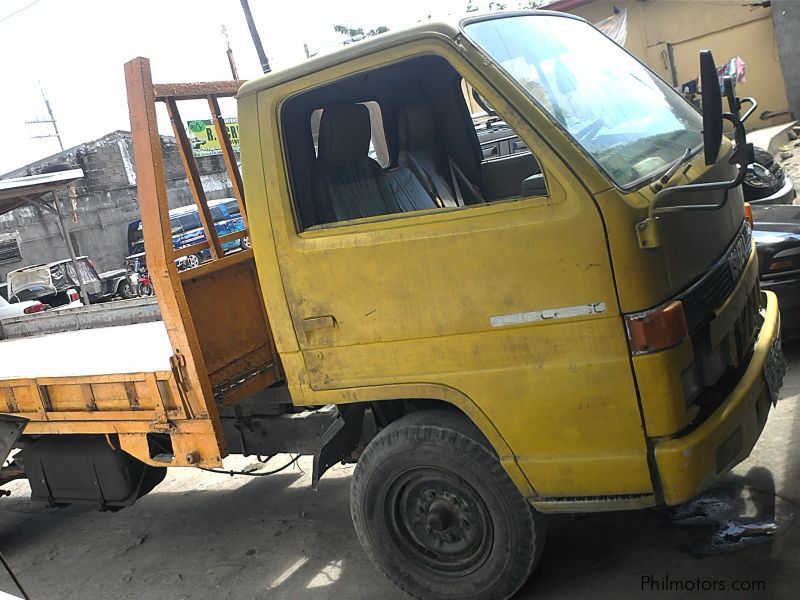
435 268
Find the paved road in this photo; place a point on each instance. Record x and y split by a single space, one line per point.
202 535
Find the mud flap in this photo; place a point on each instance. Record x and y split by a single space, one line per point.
339 441
10 429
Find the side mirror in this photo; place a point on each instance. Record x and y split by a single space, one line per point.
534 186
712 107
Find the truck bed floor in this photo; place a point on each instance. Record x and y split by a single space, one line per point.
143 347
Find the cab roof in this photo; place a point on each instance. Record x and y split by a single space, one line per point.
429 29
448 30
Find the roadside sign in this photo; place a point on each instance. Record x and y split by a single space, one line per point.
203 136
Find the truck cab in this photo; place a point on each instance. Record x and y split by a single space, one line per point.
575 325
513 287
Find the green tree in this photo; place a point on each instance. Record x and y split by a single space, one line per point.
352 32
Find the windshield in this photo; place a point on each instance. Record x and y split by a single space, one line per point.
631 122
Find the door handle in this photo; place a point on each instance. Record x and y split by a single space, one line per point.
315 323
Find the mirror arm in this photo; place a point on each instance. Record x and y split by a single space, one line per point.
753 105
647 230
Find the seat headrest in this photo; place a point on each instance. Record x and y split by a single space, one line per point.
344 134
416 127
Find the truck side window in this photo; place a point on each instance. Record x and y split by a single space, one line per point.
401 138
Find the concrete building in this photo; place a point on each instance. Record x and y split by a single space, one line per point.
668 35
106 202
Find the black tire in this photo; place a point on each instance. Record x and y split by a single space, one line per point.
764 177
127 290
435 511
245 243
145 289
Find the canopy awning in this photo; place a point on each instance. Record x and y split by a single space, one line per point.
22 190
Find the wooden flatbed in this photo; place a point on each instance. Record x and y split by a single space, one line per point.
154 385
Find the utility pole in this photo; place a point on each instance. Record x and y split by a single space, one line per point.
51 120
256 39
229 52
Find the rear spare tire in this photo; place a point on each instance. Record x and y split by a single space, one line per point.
434 509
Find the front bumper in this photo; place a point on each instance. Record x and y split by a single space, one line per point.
690 464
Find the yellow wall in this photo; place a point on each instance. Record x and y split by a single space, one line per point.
723 26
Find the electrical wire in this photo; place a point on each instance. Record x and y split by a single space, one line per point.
253 474
16 12
14 577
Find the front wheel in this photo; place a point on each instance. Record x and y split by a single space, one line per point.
434 509
146 289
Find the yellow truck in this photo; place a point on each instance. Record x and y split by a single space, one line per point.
571 324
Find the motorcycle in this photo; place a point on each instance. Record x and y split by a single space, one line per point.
139 282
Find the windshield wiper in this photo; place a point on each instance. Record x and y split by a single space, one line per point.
670 172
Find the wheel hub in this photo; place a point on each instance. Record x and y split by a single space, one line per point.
439 520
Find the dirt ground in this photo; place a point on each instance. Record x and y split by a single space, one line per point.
201 535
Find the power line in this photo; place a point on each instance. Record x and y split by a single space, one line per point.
16 12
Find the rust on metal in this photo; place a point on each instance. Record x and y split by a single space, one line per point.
154 207
197 90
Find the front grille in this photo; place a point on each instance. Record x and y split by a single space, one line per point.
700 300
720 367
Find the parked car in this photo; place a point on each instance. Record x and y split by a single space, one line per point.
776 231
496 138
188 230
19 309
51 282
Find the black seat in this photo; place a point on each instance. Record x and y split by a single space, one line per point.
347 183
423 152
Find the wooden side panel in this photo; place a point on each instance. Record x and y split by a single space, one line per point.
133 406
232 328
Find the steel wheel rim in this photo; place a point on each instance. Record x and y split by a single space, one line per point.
439 521
192 261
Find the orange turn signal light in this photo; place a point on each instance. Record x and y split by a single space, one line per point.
748 213
657 329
